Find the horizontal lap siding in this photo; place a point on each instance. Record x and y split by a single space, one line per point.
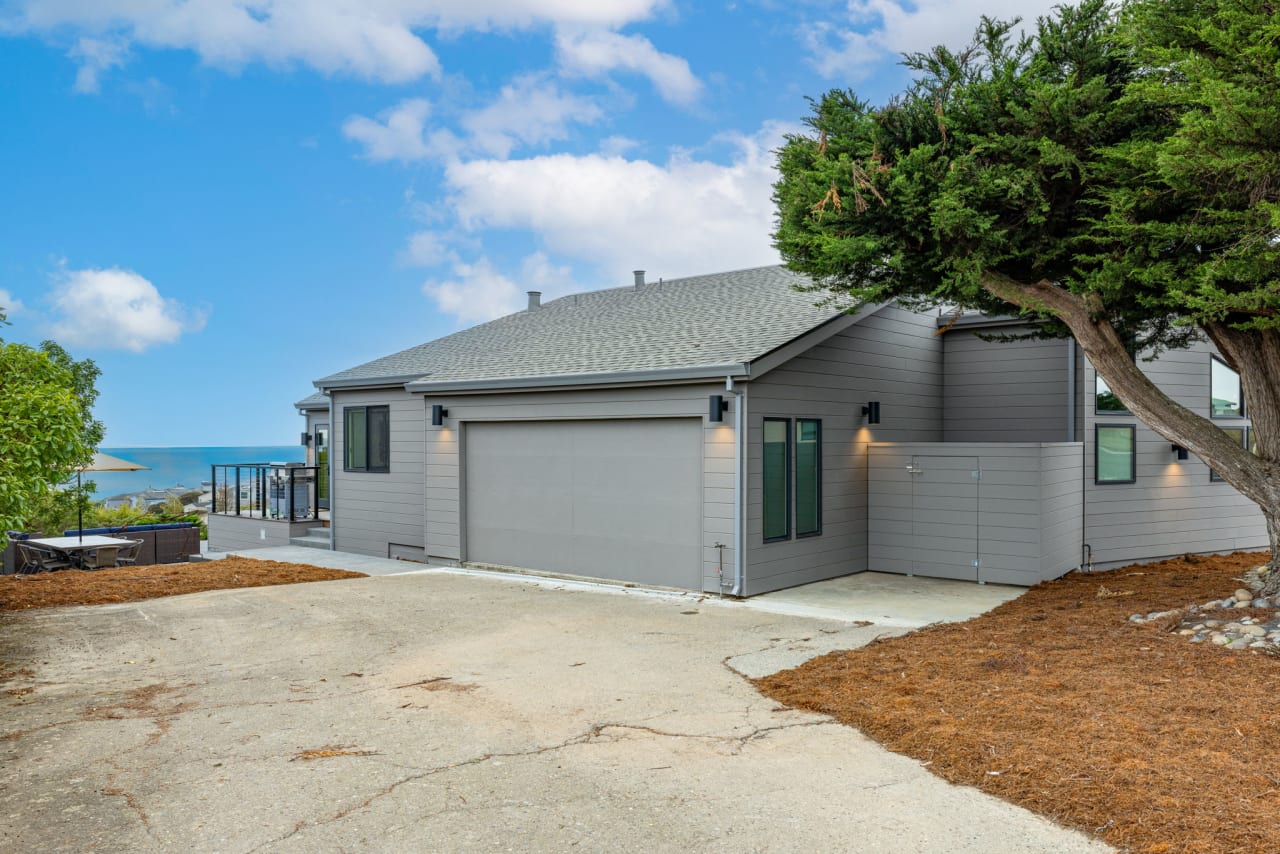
1173 508
1061 509
894 357
373 510
445 450
1003 391
1028 520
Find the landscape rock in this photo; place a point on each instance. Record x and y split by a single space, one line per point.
1243 595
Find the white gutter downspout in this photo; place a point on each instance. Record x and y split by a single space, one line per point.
739 447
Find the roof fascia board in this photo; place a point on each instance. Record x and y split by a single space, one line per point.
947 323
369 382
703 372
786 352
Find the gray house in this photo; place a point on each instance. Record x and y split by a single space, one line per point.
722 432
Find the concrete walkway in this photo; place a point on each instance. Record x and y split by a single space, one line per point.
894 601
451 712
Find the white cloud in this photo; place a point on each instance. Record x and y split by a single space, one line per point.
9 304
595 53
873 30
427 249
682 217
477 292
530 110
397 134
117 309
96 56
374 39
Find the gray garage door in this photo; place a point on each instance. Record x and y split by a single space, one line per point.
606 499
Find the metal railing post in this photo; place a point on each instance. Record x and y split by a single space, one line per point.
290 504
237 490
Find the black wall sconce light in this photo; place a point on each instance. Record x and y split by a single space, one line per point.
1180 452
718 407
438 414
872 411
306 439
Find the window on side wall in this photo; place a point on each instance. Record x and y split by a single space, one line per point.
1115 453
1239 435
1105 400
777 479
367 438
1225 398
808 477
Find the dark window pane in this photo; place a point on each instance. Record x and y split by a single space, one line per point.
777 478
1237 435
1225 400
355 440
1106 400
379 438
808 476
1114 454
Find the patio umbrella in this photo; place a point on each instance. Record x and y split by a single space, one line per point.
101 462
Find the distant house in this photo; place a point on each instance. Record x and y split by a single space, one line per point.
113 502
723 432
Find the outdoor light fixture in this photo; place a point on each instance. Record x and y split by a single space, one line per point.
872 411
718 407
1180 451
306 439
438 414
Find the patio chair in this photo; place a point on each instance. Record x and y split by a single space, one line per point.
33 559
128 554
102 557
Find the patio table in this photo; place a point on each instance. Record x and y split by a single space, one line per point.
74 547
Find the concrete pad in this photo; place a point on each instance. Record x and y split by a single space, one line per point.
452 713
330 559
888 600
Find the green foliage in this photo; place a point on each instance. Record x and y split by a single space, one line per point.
44 429
1132 156
54 510
172 506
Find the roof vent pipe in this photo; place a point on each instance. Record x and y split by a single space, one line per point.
535 300
639 274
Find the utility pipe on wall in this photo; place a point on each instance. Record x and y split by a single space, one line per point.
739 448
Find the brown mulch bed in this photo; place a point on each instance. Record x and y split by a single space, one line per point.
133 583
1056 702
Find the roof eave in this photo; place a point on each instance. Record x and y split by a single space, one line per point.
394 381
737 370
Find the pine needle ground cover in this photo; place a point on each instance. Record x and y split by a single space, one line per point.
1057 702
134 583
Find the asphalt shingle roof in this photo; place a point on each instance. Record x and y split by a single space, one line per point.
319 400
719 319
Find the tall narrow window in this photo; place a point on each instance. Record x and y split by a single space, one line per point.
367 438
1225 399
808 477
1105 399
1237 435
777 479
1114 453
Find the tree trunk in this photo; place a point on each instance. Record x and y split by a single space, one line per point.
1271 584
1255 355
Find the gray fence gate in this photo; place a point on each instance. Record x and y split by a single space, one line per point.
990 512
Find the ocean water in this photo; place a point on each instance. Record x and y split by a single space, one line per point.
186 466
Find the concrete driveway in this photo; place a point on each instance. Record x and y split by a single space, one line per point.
452 713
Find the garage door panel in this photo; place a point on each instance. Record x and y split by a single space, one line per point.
608 499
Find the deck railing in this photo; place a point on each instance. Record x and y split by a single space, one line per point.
286 492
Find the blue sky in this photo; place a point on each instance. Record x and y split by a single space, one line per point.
222 200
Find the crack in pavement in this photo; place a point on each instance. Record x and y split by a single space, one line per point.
595 731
